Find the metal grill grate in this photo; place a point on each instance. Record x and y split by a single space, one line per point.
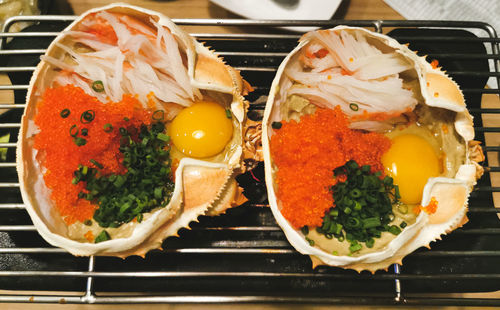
243 256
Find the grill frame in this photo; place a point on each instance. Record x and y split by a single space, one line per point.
397 296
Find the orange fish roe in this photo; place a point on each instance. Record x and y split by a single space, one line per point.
307 152
431 208
59 154
89 236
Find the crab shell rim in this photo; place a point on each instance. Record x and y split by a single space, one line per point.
463 126
233 85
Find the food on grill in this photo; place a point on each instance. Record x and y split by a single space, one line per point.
132 130
368 149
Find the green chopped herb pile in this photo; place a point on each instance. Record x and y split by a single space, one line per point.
363 206
146 185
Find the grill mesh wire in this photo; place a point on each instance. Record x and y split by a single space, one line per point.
243 256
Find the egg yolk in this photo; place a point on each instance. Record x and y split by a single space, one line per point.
201 130
410 161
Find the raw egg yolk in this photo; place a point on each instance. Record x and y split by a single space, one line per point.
201 130
410 161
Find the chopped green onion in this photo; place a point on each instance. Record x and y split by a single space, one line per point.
305 230
311 242
96 163
363 206
163 137
394 230
85 132
88 223
158 115
107 127
158 192
126 119
73 131
147 184
98 86
103 236
80 141
120 180
276 125
228 113
403 224
65 113
354 106
371 222
87 116
355 247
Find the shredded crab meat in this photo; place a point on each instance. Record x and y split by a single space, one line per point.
140 60
341 69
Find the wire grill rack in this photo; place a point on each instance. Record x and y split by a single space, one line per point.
243 256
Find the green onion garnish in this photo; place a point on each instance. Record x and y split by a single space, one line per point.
98 86
73 131
305 230
96 163
147 184
85 132
355 247
65 113
87 116
228 113
126 119
395 230
276 125
107 127
363 206
103 236
88 223
354 106
403 224
158 115
163 137
80 141
311 242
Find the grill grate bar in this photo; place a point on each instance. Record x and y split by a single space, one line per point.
179 299
12 206
249 274
267 251
13 106
7 145
16 69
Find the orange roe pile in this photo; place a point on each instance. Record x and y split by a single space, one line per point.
59 154
307 152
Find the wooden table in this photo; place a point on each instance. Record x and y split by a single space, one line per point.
349 9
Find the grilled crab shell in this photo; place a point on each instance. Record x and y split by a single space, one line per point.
451 193
201 187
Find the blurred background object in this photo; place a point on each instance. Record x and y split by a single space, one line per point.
9 8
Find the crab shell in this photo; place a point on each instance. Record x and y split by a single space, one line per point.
201 187
451 193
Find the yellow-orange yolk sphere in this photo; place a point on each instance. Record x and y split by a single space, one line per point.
201 130
411 161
